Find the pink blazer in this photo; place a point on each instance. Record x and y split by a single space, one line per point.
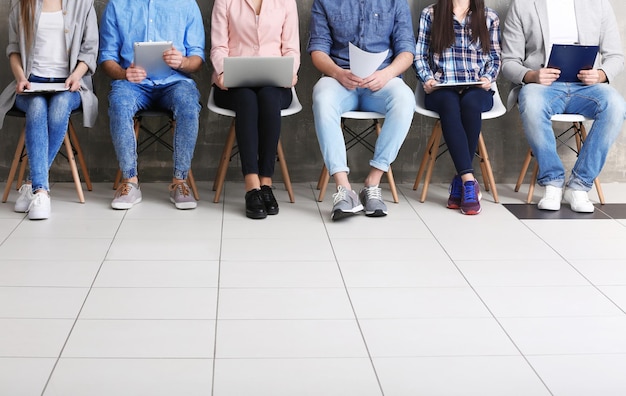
235 31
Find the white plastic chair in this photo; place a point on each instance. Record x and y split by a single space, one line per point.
354 137
227 152
431 153
578 132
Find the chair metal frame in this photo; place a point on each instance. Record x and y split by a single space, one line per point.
355 137
230 147
154 136
434 144
73 151
575 131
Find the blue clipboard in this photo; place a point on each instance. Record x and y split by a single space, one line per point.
571 58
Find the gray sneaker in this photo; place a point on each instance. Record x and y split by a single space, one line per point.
345 203
372 200
181 197
23 201
127 195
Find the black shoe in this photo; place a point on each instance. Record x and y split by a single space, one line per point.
271 206
255 208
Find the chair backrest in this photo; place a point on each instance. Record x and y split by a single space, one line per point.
497 110
294 107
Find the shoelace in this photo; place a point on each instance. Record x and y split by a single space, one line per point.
124 189
373 193
36 201
183 188
340 195
470 193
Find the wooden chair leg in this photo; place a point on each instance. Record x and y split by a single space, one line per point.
74 168
425 157
531 186
14 164
431 161
323 183
218 184
192 184
520 178
484 159
79 155
392 185
283 168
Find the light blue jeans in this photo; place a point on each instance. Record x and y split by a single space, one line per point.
47 118
127 98
601 102
331 99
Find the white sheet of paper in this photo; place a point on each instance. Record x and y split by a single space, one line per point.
363 63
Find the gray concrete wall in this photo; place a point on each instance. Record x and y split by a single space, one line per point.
504 137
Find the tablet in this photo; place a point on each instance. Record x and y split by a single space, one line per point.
258 71
571 58
46 87
149 55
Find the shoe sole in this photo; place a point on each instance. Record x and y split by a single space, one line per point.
376 213
38 216
471 212
342 214
272 212
184 205
256 216
124 206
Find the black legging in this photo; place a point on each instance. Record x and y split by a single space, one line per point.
258 124
460 115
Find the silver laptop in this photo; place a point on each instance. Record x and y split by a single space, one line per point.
149 55
258 71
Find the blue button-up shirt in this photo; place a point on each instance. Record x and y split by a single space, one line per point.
125 22
463 61
371 25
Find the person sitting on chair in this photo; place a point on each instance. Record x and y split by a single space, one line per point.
530 29
373 26
123 23
255 28
49 42
450 53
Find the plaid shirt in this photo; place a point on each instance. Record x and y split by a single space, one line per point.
464 61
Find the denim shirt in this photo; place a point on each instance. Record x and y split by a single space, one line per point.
371 25
125 22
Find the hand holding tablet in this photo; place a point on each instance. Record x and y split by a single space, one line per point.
149 56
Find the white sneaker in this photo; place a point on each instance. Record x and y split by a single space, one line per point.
23 200
551 198
39 208
578 201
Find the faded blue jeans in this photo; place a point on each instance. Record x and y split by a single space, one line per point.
47 118
601 102
331 99
127 98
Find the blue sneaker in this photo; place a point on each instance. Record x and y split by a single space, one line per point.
456 192
470 202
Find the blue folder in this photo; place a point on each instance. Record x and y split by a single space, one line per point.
571 58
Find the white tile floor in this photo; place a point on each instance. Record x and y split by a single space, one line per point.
426 301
